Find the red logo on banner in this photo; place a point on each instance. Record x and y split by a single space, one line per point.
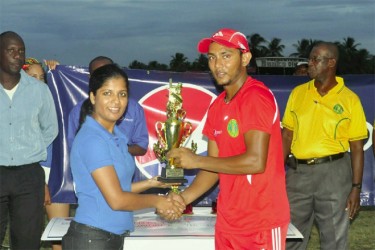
196 101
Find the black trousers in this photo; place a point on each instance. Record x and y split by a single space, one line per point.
80 236
21 200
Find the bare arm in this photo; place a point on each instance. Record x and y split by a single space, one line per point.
201 184
204 179
140 186
136 150
51 64
107 181
287 136
357 160
47 196
252 161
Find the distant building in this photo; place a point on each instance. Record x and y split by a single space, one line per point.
277 65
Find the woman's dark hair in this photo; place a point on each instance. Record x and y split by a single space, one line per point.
97 79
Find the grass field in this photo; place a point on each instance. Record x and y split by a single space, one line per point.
362 233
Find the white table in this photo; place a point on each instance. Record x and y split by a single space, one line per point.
151 232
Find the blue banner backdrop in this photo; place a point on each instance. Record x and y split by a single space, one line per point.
69 85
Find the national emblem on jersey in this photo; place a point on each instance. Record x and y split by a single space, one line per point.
338 109
232 128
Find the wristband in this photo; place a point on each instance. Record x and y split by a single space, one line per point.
357 185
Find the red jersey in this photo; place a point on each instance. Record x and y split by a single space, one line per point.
249 203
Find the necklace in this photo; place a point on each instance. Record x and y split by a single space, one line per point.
226 100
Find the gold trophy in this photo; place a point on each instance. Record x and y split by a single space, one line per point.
172 134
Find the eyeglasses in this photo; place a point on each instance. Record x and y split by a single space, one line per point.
12 51
318 59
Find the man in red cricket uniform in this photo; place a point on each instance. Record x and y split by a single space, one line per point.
244 152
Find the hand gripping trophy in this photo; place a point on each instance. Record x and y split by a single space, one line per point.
172 134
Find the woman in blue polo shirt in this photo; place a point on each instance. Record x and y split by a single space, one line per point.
102 169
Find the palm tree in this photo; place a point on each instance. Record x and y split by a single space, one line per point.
348 51
179 63
356 62
256 44
304 47
275 48
349 45
200 64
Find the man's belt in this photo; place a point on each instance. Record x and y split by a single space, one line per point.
314 161
21 166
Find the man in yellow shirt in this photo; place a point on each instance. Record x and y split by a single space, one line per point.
324 119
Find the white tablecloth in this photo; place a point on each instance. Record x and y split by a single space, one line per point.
151 232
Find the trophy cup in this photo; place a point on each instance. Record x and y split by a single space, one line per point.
172 134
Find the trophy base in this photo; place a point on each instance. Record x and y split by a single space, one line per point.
172 180
175 175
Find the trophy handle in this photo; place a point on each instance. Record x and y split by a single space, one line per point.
159 152
187 128
181 114
160 127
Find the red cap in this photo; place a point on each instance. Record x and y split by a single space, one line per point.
227 37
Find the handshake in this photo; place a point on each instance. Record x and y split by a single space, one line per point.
171 206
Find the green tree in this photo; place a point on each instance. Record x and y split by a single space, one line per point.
348 51
200 64
155 65
303 48
275 48
363 62
137 65
257 45
179 63
349 45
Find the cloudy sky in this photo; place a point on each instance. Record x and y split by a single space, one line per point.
75 31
